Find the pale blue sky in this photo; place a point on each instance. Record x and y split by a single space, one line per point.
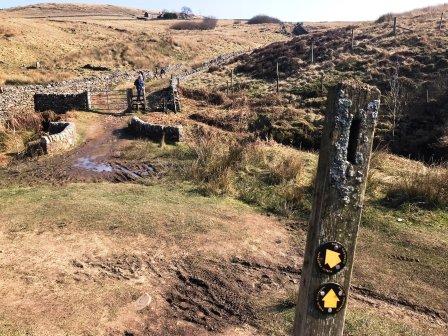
288 10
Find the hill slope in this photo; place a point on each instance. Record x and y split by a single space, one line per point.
53 9
414 62
64 38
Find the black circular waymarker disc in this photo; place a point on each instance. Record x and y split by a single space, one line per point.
331 257
330 298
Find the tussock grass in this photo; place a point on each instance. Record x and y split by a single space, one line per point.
427 186
207 23
258 173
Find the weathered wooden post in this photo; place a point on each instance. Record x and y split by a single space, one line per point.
145 101
312 51
395 26
231 80
353 40
322 82
338 201
441 21
278 79
129 99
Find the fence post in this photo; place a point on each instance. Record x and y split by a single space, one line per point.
145 101
312 51
129 99
353 39
322 82
441 22
278 79
88 100
338 201
231 81
395 26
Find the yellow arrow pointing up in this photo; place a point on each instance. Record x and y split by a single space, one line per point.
331 300
332 258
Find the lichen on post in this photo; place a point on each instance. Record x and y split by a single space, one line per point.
338 200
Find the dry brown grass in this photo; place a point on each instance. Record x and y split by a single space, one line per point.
205 24
66 44
426 186
257 173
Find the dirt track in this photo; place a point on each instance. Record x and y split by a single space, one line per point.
97 159
189 292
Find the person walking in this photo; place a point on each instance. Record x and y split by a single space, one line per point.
140 86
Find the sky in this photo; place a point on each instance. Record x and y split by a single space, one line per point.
287 10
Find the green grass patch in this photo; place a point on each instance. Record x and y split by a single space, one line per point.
155 210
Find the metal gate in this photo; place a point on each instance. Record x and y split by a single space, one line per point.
109 101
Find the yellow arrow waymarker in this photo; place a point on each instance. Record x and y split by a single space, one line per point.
332 258
331 300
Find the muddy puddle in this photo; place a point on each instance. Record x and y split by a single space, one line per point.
115 171
87 163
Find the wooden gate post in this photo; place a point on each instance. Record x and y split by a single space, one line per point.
129 99
145 101
338 201
395 26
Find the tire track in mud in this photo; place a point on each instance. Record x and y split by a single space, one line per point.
359 293
216 294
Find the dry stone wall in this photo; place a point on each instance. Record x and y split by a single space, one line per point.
61 137
61 103
18 98
156 132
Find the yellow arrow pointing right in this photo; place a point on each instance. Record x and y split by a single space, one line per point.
332 258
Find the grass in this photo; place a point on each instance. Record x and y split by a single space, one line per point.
366 322
128 208
426 186
207 23
268 176
70 44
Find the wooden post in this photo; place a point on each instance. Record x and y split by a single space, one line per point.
441 22
231 81
278 79
145 101
312 51
322 82
395 26
353 39
129 99
338 201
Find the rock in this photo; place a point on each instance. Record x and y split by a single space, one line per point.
143 302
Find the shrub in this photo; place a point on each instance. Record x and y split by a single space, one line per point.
205 24
386 18
168 16
426 186
259 19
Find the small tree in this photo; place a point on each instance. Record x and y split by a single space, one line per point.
395 101
186 10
